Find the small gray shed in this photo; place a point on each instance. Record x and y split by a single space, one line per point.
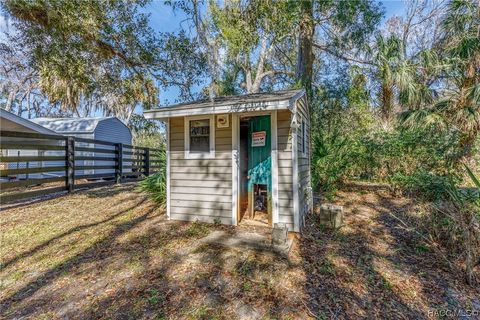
109 129
239 159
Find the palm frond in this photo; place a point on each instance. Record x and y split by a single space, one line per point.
475 180
422 118
473 94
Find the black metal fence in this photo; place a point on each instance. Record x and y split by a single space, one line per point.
33 164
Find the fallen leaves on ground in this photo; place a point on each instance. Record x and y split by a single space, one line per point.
109 253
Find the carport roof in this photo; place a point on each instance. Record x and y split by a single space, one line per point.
12 122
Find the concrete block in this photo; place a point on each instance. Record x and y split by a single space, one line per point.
279 234
331 215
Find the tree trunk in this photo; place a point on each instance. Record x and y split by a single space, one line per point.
304 68
248 81
11 97
387 98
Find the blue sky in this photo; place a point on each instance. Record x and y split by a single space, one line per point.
164 19
393 7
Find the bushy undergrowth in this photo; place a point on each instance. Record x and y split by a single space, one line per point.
423 163
460 214
416 161
155 184
423 184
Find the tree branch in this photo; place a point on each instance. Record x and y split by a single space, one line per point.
345 58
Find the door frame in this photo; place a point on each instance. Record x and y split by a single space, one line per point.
236 167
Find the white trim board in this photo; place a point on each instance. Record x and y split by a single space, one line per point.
204 110
303 134
274 171
296 209
167 124
247 103
295 98
235 167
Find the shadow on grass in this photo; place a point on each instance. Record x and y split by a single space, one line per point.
332 291
112 190
92 253
50 241
174 274
92 192
222 286
346 271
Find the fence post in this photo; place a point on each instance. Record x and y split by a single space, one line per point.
119 161
70 162
147 161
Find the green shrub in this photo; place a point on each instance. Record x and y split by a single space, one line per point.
416 161
423 184
408 151
155 184
335 161
463 212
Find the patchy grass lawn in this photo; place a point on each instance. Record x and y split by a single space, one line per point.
110 253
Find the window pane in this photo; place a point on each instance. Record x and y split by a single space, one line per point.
303 137
200 135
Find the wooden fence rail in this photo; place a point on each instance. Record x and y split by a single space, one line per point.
33 164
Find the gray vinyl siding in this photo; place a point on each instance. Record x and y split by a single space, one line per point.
111 130
304 179
285 186
200 189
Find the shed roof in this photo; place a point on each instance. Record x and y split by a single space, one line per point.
227 104
12 122
72 125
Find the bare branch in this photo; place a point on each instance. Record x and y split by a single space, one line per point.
343 57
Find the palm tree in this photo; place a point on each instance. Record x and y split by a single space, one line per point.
399 85
458 107
460 104
388 54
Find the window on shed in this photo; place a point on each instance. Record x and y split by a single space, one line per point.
200 135
304 137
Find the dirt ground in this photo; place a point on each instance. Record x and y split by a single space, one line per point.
109 253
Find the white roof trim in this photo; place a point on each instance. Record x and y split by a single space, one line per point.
25 122
247 107
203 108
294 99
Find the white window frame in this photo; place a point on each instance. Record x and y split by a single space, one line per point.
200 155
303 136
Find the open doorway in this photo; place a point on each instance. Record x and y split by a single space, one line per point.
255 171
